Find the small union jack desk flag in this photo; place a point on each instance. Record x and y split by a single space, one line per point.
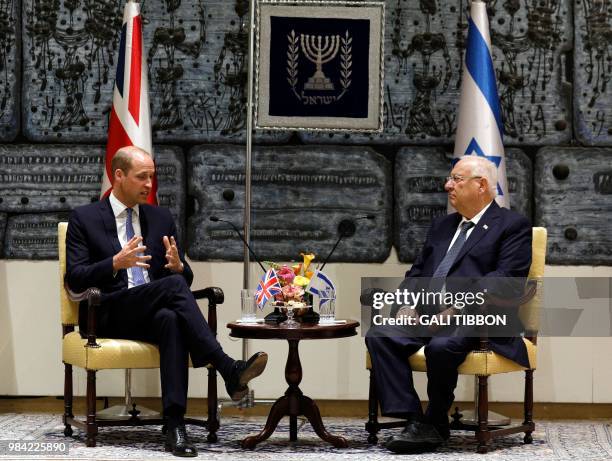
267 288
130 123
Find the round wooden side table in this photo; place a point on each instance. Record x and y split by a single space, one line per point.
294 403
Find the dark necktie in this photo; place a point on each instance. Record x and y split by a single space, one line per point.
453 252
137 273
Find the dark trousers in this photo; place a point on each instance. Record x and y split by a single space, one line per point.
390 347
165 313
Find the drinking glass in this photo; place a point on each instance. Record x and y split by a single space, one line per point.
249 307
327 310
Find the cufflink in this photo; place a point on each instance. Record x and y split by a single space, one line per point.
485 227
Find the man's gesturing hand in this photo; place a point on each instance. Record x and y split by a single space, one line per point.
131 255
172 255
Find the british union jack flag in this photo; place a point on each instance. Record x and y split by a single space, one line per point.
129 123
267 288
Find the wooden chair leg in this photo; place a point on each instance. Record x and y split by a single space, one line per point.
482 432
213 415
528 405
92 426
372 424
68 394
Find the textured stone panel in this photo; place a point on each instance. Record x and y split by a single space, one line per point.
170 169
61 177
55 178
420 197
32 236
424 48
49 178
573 197
196 53
300 195
592 56
3 219
10 67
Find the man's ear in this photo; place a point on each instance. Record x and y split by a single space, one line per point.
117 174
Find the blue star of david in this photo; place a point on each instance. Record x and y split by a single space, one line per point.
474 149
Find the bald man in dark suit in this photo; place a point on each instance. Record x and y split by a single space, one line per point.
480 240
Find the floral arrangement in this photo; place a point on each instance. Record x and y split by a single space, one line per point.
294 280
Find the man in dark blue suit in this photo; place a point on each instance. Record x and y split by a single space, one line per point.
479 240
128 250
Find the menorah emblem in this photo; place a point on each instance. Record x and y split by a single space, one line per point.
319 50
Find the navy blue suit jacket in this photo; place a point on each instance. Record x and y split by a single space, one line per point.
499 246
91 243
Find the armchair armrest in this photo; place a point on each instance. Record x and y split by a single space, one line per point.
93 296
492 300
215 296
528 294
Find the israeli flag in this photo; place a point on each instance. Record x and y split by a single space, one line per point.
321 285
480 127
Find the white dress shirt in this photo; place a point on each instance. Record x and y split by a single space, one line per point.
475 220
120 212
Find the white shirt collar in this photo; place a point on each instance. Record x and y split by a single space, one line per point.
118 207
476 218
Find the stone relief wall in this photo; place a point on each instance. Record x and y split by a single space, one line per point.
300 198
553 60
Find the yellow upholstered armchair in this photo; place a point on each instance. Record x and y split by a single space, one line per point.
483 363
87 351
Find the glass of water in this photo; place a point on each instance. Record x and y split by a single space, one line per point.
249 307
327 310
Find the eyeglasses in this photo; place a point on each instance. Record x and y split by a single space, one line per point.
456 178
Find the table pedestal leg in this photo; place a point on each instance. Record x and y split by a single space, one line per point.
294 404
311 411
293 428
278 410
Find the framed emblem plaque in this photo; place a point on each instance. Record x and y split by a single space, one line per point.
319 65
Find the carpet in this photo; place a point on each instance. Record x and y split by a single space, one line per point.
552 440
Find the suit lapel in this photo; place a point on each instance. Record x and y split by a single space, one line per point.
485 225
110 225
144 225
441 246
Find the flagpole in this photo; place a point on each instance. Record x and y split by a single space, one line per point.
249 148
471 139
128 409
249 400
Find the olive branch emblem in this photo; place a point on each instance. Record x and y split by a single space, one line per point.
292 61
346 62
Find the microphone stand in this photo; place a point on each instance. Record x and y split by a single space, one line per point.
216 219
276 316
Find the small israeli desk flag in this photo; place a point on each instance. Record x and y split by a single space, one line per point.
480 127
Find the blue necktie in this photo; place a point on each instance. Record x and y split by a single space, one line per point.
137 273
451 255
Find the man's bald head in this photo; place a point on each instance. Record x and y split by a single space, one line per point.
133 172
124 158
480 166
471 185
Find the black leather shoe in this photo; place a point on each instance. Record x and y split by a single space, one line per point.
178 443
417 437
443 430
243 372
